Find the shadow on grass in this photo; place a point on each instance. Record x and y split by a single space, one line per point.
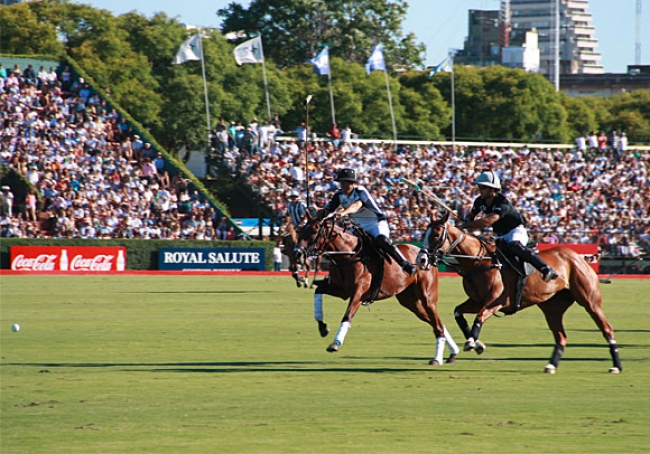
421 365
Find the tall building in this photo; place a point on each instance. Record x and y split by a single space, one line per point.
482 43
578 46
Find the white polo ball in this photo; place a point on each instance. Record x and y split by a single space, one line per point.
15 327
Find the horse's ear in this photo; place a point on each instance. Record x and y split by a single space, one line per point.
445 218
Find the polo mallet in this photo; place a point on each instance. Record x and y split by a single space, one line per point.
608 279
430 195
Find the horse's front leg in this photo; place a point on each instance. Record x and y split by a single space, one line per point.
486 312
346 323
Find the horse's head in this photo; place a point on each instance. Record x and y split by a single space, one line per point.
320 236
434 239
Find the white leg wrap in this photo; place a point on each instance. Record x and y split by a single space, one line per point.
450 341
318 306
343 331
440 349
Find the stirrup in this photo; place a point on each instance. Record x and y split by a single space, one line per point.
409 269
549 275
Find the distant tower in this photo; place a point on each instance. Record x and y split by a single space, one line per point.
637 45
504 24
577 46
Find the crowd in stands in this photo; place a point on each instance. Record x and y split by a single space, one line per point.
588 194
98 179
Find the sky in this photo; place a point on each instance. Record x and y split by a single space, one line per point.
440 24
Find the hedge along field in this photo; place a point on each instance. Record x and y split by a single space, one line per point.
168 364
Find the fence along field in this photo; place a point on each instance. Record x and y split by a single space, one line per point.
163 364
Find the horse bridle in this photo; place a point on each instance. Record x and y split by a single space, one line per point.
439 255
325 236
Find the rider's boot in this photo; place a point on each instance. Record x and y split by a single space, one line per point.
518 249
387 246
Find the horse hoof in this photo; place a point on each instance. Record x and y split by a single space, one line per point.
469 345
451 359
323 329
480 347
614 370
550 369
333 347
434 362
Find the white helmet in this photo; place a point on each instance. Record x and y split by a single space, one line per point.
489 179
294 193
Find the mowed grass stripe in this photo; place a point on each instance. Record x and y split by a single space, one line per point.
159 364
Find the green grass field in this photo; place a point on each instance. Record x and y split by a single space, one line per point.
197 364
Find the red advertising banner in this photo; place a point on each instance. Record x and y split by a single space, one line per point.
588 251
71 259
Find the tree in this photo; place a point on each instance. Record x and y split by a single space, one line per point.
22 32
501 103
294 30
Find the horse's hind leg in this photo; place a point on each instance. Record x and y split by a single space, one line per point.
554 310
595 310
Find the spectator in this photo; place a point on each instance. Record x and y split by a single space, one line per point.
277 257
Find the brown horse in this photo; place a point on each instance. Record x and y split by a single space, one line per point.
491 288
298 258
360 274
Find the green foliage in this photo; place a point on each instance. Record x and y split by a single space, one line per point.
350 28
24 32
234 364
129 57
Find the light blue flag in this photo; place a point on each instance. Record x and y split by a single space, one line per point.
444 67
376 61
322 62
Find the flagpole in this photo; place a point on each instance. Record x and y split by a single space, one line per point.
307 101
266 82
392 114
329 79
205 89
453 104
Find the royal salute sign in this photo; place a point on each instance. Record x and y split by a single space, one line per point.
211 259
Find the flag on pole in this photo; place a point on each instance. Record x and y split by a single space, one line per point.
445 66
376 61
321 62
189 50
249 52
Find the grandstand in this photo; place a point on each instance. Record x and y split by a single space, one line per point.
96 174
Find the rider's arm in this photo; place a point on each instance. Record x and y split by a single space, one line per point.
481 223
356 206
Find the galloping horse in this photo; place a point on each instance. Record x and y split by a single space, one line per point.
491 289
359 273
297 257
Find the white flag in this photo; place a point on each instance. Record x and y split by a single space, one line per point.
249 51
189 50
445 66
376 61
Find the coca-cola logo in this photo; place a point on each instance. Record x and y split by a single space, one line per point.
43 262
97 263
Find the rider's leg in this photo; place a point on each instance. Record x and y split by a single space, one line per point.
518 249
386 245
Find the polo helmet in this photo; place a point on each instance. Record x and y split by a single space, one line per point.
489 179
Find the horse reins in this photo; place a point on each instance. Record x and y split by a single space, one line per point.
440 254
